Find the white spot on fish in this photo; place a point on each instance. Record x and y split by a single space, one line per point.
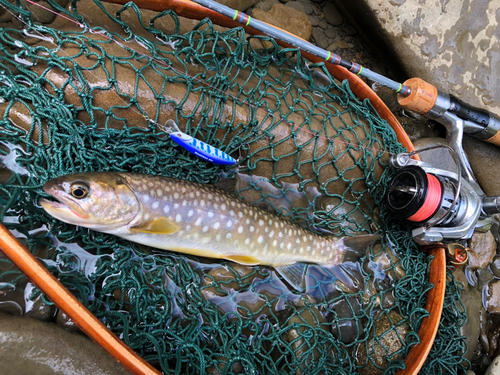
198 221
146 198
247 241
146 216
235 242
184 202
282 245
178 217
159 192
229 235
229 223
232 213
252 229
202 203
304 238
188 227
265 249
271 234
247 221
275 242
191 195
240 229
216 225
155 205
260 239
190 213
217 237
176 205
210 214
261 222
270 222
240 215
210 197
280 234
223 207
277 224
166 209
205 228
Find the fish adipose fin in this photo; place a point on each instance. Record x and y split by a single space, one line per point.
294 274
162 225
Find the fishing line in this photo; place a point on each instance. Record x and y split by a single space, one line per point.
238 101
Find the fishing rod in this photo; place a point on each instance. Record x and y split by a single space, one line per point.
284 36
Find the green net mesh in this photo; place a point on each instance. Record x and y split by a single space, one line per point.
74 100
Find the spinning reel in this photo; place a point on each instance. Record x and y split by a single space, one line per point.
444 206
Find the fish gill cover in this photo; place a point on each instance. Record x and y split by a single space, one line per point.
74 100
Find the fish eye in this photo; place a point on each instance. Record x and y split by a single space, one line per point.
79 190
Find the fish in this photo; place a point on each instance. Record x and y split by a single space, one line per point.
193 218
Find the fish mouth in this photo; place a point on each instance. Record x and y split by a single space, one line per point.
63 209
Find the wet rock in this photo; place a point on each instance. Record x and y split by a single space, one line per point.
484 276
439 157
454 45
320 38
330 32
482 249
323 24
314 20
302 330
495 267
471 329
286 18
346 318
38 13
52 350
241 5
492 297
390 330
333 47
38 309
332 14
266 4
484 159
11 308
297 5
494 368
63 320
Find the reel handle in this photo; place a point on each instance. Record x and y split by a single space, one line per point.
491 205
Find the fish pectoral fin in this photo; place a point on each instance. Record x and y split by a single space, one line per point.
293 273
162 225
243 259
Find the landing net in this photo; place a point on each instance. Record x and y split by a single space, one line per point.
73 100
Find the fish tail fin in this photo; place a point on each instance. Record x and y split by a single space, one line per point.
355 247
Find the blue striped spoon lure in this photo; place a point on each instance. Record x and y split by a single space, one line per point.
195 146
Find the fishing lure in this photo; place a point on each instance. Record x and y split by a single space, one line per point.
195 146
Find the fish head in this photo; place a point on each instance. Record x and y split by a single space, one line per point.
96 200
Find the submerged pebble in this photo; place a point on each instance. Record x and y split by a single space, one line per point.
375 354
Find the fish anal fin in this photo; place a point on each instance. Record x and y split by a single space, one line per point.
161 225
243 259
294 274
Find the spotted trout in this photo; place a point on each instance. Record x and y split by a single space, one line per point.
192 218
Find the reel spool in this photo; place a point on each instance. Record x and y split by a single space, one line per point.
425 199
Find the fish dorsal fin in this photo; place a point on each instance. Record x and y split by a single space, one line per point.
293 273
243 259
162 225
